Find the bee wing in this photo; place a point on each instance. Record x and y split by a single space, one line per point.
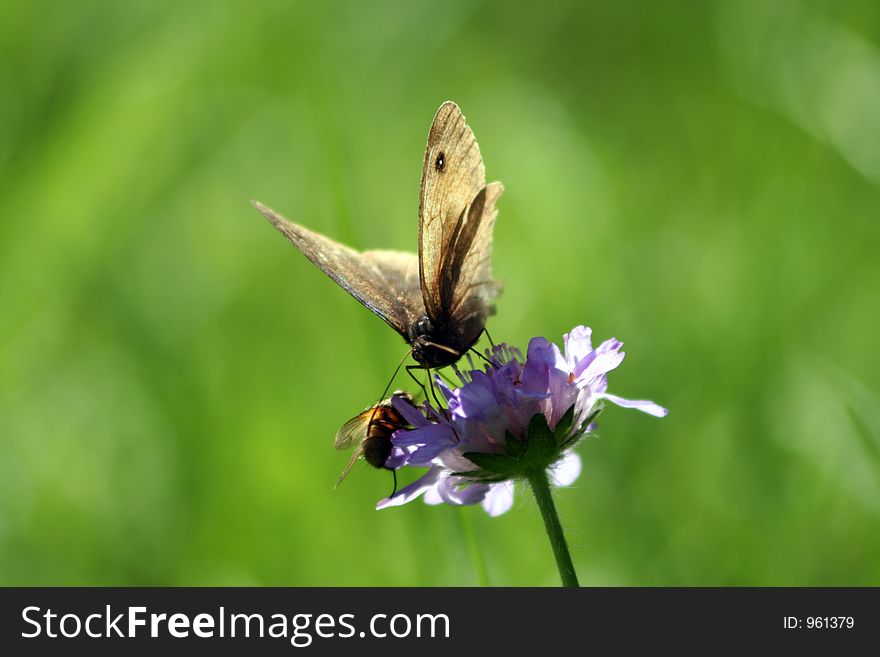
354 457
386 282
354 431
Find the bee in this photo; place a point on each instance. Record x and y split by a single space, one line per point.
370 434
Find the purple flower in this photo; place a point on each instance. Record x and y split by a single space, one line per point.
506 420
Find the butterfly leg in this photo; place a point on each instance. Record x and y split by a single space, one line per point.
491 342
409 369
446 378
482 356
433 391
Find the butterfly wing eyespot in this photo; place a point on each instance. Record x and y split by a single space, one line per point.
440 162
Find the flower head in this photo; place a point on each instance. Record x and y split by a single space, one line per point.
507 419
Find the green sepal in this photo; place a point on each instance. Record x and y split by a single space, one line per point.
563 427
580 432
541 446
495 463
482 476
515 447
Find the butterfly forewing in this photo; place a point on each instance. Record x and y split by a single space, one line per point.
401 272
386 282
452 176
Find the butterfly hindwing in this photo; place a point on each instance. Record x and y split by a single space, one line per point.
466 284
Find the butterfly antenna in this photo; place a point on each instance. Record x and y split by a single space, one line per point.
387 387
442 347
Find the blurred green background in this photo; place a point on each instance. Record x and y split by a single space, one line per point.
699 180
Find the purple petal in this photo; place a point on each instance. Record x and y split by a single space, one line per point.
546 352
645 406
566 471
577 345
409 412
451 491
607 358
445 389
499 498
453 461
399 457
429 435
562 396
476 399
540 360
426 443
414 490
433 496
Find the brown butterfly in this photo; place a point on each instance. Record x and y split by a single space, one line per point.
371 431
439 300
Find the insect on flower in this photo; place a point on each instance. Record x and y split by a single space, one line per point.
369 432
512 418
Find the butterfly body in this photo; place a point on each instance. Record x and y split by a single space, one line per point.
437 345
439 300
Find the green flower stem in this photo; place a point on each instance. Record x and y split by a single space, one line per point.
541 487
